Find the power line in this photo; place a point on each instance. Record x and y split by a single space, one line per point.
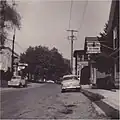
20 46
72 37
85 7
71 5
16 43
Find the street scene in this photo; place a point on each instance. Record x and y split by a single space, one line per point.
59 59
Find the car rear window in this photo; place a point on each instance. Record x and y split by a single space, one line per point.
16 77
68 78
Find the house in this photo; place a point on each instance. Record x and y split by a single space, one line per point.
5 65
6 59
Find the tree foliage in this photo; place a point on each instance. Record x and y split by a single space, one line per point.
45 63
103 38
103 61
9 17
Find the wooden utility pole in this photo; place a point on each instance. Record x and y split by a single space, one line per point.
13 43
72 38
12 62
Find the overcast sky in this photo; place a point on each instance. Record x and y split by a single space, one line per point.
44 22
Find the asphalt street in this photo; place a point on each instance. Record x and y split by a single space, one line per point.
46 102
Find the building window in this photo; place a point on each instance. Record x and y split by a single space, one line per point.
115 38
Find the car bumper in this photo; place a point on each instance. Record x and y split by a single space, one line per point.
71 87
13 84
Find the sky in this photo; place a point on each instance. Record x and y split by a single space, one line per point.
44 22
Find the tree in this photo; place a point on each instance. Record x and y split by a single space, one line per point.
103 61
45 63
8 18
104 38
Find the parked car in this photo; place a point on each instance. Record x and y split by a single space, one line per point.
17 81
70 82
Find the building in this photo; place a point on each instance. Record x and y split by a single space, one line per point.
113 37
81 61
6 59
22 70
92 48
104 56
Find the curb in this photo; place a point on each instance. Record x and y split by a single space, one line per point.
92 96
103 104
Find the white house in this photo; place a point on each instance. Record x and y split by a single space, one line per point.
6 58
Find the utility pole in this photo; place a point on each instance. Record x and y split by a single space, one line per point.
12 62
72 38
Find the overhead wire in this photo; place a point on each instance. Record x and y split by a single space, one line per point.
16 43
83 15
71 5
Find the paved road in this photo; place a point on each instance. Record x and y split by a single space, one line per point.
46 102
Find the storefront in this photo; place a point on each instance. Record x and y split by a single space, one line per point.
92 48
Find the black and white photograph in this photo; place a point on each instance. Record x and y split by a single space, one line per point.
59 59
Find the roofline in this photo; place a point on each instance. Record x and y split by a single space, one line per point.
111 15
87 38
75 51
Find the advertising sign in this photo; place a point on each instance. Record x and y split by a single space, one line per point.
93 47
83 63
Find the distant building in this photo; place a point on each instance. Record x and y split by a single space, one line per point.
22 69
81 60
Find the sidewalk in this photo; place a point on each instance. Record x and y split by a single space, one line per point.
108 101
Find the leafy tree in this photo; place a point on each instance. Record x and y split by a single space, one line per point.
103 38
8 18
103 58
45 63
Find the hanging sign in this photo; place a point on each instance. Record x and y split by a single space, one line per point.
93 47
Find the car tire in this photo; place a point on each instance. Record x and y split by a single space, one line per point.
62 91
78 89
20 85
25 85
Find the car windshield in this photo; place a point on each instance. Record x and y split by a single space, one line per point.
71 77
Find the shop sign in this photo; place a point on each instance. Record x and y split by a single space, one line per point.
93 47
